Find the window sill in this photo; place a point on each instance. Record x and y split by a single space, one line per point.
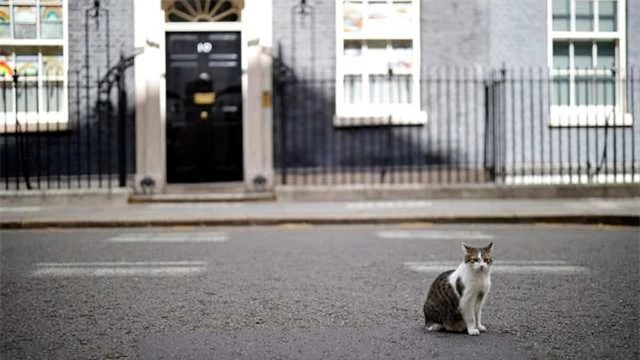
363 119
33 123
574 116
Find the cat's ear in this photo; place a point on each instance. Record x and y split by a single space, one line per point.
489 247
466 248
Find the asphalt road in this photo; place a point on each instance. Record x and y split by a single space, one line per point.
299 292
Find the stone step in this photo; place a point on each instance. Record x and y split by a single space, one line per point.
203 197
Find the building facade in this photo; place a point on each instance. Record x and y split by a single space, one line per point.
540 89
284 92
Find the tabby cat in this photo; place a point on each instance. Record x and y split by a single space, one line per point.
456 297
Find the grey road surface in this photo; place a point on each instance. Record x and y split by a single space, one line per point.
302 292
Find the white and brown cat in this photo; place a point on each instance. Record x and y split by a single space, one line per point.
456 297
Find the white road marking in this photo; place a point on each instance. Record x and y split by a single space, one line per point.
123 263
104 272
181 237
530 267
499 262
388 205
19 209
433 234
119 268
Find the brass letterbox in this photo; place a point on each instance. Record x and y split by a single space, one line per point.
204 98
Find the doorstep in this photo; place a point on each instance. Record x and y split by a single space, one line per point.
204 192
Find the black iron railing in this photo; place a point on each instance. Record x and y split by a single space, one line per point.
469 125
64 134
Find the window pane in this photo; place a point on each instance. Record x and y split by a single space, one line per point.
6 64
25 22
378 14
401 56
583 55
352 60
352 48
561 15
379 89
352 89
52 95
402 13
51 22
606 54
585 90
52 63
605 91
401 89
560 55
27 96
6 96
607 15
201 10
377 60
592 90
352 17
385 89
584 15
6 86
27 64
560 91
5 22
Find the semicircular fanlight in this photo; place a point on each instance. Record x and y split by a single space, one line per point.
202 10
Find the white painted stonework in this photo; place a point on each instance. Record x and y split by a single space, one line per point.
150 93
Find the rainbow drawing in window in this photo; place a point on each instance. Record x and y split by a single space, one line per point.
5 22
352 17
51 14
5 17
5 69
51 22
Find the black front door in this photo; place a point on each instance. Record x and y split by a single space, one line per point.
204 107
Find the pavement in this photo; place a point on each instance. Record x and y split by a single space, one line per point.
616 211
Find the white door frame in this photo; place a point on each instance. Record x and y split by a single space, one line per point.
255 30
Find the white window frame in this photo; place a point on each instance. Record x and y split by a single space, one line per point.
590 115
40 121
366 114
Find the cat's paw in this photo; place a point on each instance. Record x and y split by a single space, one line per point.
482 328
473 332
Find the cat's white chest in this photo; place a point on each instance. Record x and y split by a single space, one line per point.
473 282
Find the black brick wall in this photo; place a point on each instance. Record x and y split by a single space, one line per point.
90 146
